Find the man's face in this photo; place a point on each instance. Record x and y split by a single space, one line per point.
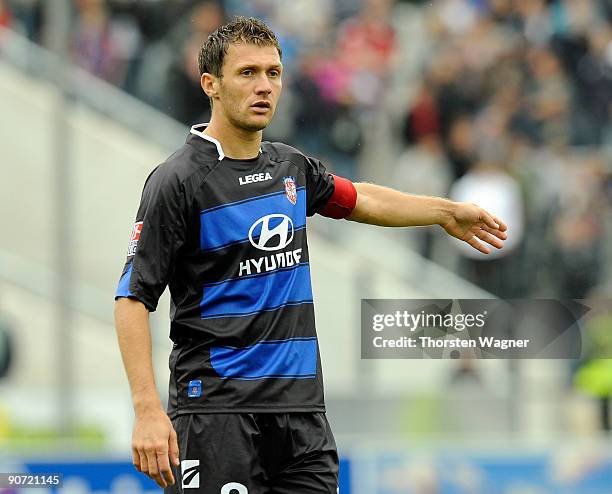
250 85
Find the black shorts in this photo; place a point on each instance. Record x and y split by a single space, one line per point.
255 453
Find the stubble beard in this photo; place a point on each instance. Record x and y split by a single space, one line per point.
241 121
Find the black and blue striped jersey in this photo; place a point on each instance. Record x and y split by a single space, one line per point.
229 239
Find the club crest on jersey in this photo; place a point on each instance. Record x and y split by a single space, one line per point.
134 238
290 190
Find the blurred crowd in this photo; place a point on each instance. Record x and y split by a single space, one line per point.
502 102
512 111
337 58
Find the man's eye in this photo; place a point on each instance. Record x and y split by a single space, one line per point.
247 72
274 73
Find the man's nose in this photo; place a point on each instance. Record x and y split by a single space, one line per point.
262 85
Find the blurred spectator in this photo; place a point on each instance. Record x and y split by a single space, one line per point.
534 20
365 49
312 111
6 346
578 240
548 96
6 19
589 61
26 16
102 45
170 77
187 102
460 146
423 167
423 119
494 189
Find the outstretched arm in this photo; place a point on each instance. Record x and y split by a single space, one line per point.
382 206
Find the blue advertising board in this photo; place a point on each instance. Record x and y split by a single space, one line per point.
106 477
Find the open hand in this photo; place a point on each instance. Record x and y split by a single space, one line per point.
471 223
154 446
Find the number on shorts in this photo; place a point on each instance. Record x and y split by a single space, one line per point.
231 486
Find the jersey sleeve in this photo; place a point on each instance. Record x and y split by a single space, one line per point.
327 194
157 235
319 186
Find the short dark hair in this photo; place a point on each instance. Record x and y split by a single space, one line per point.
240 30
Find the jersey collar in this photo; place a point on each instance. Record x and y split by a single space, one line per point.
198 130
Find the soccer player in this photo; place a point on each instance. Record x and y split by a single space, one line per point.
223 223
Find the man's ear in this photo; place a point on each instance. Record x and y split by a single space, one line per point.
210 84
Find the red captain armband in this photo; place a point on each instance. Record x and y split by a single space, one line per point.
342 201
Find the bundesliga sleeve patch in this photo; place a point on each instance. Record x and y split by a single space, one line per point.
134 238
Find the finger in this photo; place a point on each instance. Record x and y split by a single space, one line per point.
164 467
494 222
153 470
501 225
136 459
477 245
144 464
494 231
174 449
490 239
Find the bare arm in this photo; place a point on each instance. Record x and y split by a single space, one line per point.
154 440
383 206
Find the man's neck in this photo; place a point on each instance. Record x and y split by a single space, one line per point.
236 143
